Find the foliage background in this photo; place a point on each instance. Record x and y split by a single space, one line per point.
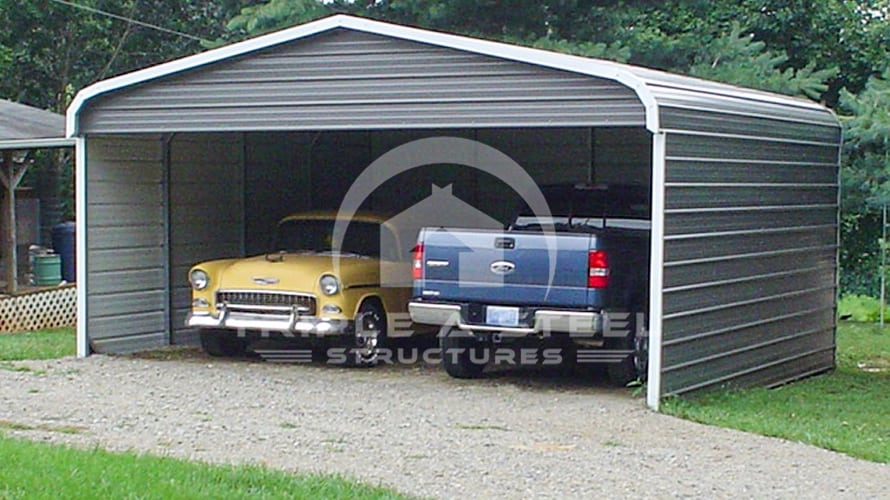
836 52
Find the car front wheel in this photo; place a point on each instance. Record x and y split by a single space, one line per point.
223 343
370 334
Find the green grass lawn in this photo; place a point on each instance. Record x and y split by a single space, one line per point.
42 344
847 410
37 470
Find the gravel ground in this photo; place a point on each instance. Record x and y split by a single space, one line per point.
412 428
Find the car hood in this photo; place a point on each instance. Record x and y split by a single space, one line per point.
297 272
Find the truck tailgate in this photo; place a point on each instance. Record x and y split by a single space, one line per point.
505 267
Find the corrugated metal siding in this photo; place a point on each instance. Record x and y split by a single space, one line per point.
206 197
350 80
750 249
276 176
125 244
705 103
280 166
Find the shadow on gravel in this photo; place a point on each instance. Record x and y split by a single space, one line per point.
563 377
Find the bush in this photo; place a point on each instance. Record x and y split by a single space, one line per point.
860 308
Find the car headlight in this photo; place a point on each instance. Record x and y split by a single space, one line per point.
329 284
199 279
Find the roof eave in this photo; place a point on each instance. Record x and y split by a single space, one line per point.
564 62
640 80
37 143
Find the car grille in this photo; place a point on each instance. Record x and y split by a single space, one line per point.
266 301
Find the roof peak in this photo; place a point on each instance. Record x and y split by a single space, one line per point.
641 80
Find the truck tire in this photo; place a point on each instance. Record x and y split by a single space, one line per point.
461 355
222 343
636 366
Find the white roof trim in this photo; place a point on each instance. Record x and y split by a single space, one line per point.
60 142
637 79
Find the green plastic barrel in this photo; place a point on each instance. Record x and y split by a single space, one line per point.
47 270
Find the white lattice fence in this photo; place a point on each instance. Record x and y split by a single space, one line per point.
38 310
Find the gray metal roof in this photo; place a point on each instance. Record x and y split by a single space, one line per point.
655 89
26 127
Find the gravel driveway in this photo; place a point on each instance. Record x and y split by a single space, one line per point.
416 430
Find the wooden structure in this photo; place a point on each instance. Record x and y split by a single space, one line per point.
22 128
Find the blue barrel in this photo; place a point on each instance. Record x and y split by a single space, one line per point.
64 245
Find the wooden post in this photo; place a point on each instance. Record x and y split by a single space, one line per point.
10 177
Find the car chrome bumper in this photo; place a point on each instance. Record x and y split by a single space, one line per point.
584 323
232 320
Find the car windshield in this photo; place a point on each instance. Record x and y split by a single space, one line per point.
317 235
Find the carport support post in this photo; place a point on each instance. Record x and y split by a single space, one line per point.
11 176
656 270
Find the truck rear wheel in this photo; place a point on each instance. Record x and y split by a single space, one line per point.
636 365
222 343
462 355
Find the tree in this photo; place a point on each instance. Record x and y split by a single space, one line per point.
740 60
275 14
49 50
865 182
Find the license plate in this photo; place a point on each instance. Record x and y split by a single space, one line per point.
502 316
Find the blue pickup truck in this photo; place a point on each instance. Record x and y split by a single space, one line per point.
570 285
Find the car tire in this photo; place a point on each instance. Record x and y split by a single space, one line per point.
461 354
369 336
223 343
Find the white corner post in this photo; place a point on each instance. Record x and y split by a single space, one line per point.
80 188
656 270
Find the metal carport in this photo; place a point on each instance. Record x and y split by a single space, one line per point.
744 183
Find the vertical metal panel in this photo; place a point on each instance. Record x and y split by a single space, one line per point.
350 80
124 247
623 155
276 179
206 212
750 244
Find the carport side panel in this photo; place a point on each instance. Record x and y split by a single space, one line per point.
750 230
124 212
206 193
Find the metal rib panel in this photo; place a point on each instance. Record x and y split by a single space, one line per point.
747 125
712 294
722 195
762 364
681 326
206 212
113 305
696 97
719 169
350 80
128 341
125 243
750 253
692 221
730 246
678 274
750 150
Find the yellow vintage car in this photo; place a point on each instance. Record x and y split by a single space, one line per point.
310 286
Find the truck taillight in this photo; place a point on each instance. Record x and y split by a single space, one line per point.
597 269
417 265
